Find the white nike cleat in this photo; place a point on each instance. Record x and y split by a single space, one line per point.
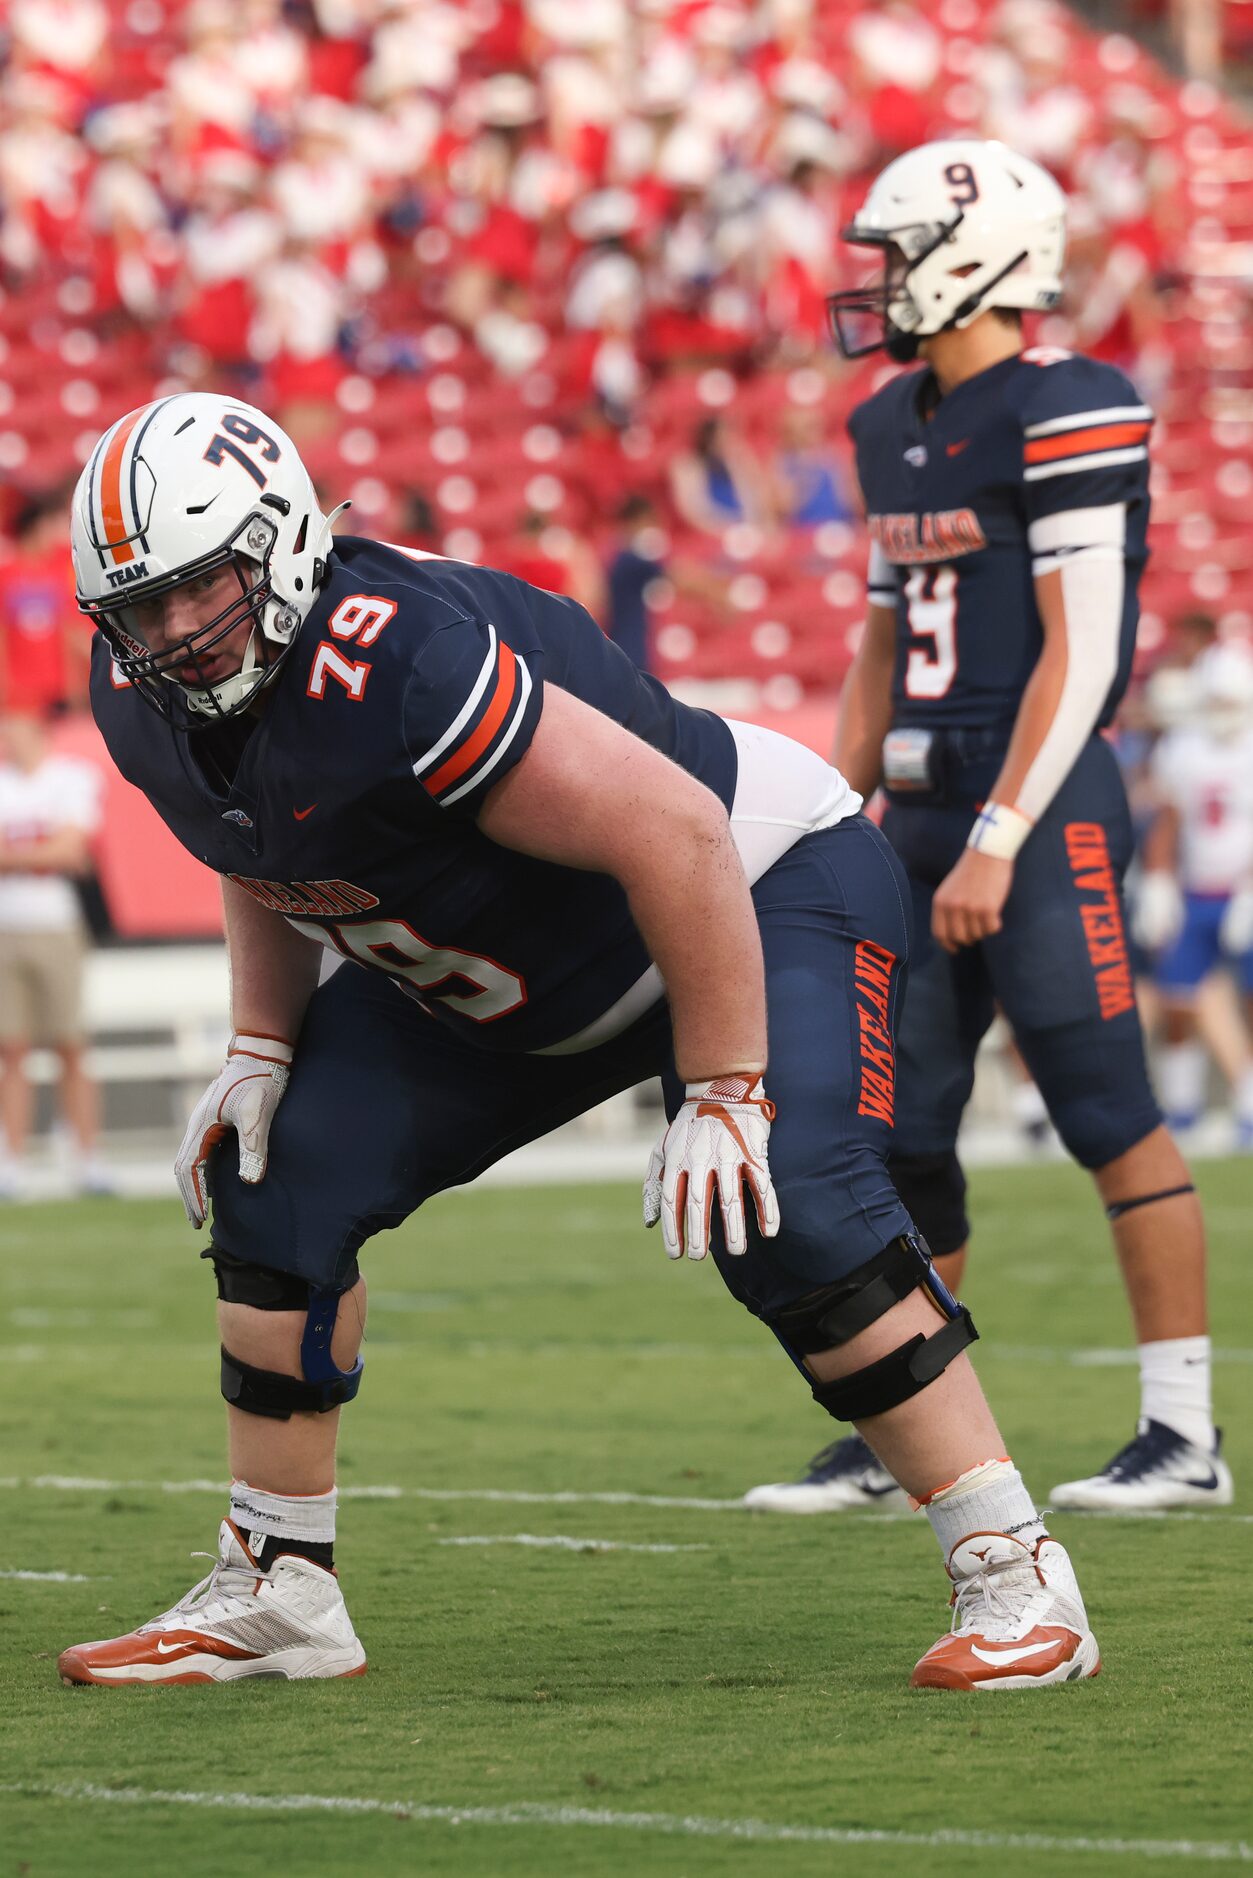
1018 1619
290 1622
843 1475
1156 1470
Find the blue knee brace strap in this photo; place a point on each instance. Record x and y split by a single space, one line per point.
266 1391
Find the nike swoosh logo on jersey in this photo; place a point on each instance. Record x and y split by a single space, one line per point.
1008 1656
955 449
301 813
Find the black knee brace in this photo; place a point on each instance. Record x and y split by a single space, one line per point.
841 1311
933 1189
266 1391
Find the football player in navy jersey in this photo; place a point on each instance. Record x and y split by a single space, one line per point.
544 880
1006 495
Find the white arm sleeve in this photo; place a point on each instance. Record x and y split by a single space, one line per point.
1087 546
880 578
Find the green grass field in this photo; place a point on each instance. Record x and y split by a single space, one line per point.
587 1709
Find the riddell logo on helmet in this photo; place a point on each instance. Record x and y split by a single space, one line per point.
123 576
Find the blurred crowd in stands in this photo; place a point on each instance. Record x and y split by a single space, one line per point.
542 283
1211 39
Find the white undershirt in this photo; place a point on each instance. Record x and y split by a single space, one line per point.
783 791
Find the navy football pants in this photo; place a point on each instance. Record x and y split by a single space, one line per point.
387 1106
1059 969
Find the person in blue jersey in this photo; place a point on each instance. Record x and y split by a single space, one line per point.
1006 496
544 880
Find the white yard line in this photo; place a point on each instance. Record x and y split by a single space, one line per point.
676 1825
77 1483
50 1578
561 1542
640 1350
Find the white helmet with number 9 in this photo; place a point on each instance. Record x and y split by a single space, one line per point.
177 497
964 225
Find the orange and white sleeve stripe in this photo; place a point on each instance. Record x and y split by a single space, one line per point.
1086 440
475 743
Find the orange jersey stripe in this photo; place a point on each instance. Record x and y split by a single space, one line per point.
1078 442
473 748
111 491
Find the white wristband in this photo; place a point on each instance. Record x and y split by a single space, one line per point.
269 1049
999 831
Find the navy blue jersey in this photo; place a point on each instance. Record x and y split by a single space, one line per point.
961 493
413 687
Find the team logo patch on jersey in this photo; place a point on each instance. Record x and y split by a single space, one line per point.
1088 853
917 455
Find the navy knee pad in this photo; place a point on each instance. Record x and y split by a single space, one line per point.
1096 1128
933 1190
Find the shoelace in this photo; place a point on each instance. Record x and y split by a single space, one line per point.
968 1594
216 1584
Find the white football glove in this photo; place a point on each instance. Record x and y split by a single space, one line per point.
716 1146
1235 935
1157 913
243 1096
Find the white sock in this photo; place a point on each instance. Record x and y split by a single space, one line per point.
1027 1105
1175 1388
986 1498
261 1516
1181 1078
1244 1098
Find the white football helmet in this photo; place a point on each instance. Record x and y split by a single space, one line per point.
964 225
174 492
1225 680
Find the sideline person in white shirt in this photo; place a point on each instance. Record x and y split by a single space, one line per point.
49 810
1195 909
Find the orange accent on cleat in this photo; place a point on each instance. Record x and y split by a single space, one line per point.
91 1662
1018 1619
971 1662
289 1621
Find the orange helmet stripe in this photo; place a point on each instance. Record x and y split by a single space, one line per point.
112 519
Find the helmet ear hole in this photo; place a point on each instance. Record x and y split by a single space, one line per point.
302 534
